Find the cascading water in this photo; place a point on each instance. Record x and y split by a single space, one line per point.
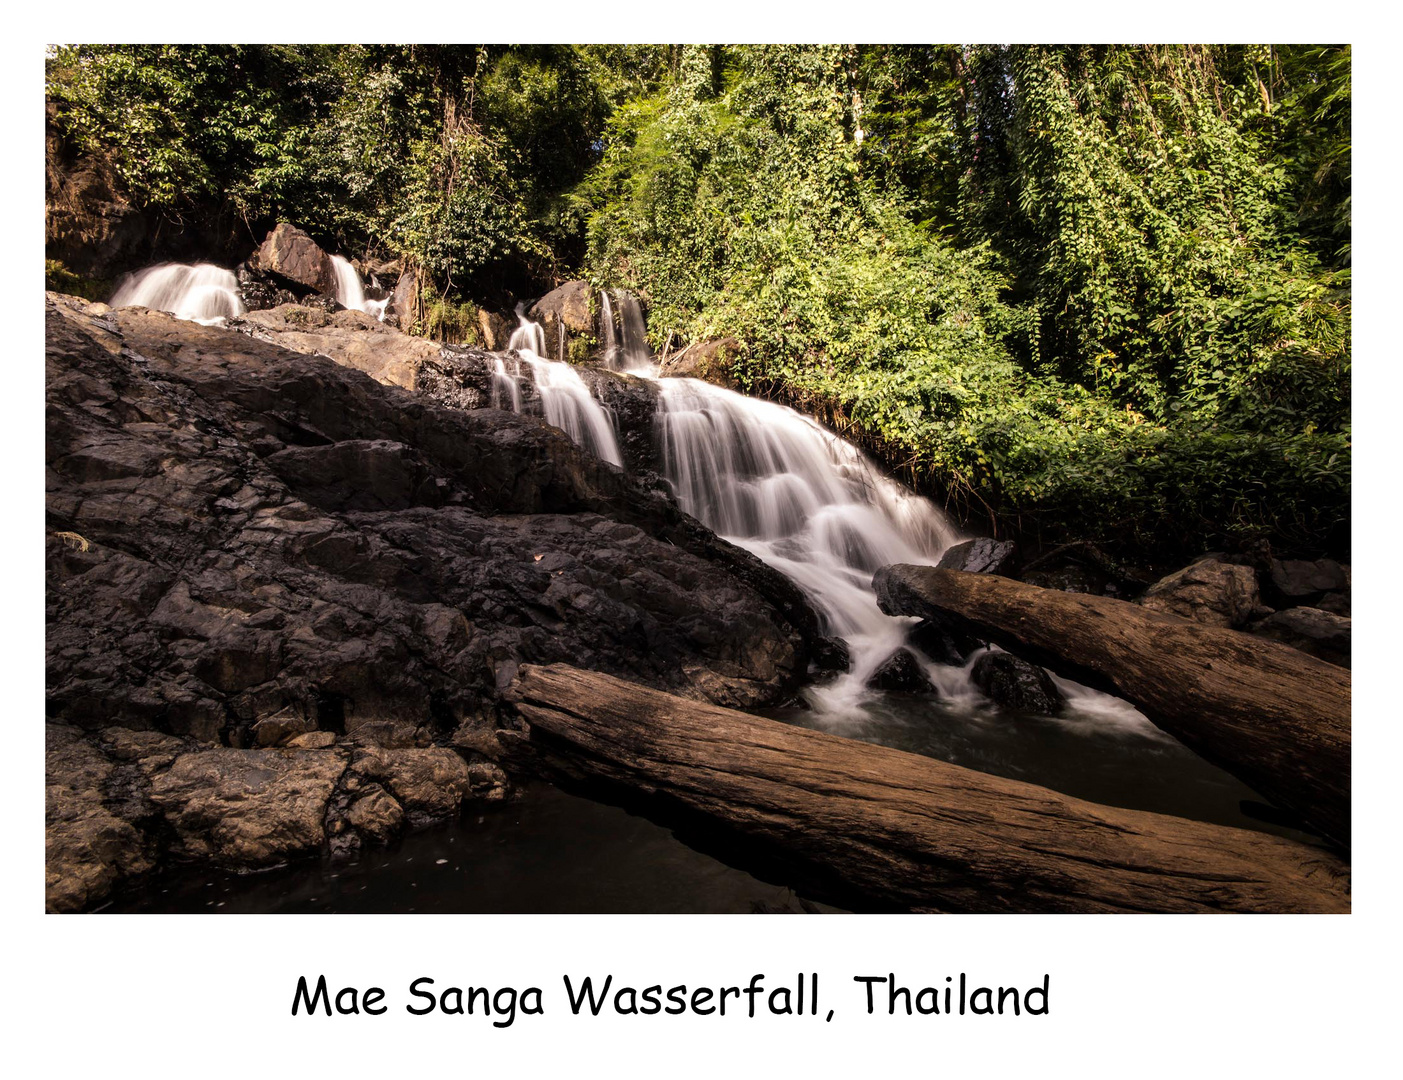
811 505
201 293
565 398
610 340
350 293
635 354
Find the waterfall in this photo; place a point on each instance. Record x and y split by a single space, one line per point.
504 383
565 398
813 506
528 336
636 356
610 340
201 293
350 293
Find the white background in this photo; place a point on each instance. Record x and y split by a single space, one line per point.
1141 996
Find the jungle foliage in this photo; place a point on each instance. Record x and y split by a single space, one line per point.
1101 291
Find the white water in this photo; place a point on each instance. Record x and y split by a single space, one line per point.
201 293
565 398
635 355
813 506
350 293
610 355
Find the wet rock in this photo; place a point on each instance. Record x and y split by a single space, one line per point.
901 672
981 556
295 261
248 807
261 290
430 783
1298 579
1210 592
1321 633
1016 684
488 782
376 815
831 654
943 641
88 849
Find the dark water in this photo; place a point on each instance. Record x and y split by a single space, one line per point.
1100 749
549 852
553 852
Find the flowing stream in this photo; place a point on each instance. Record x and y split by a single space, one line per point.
350 293
565 398
201 293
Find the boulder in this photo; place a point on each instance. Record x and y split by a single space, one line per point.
981 556
709 360
1210 592
248 808
831 654
902 672
1298 579
295 261
429 783
404 301
376 815
570 305
1016 684
1323 634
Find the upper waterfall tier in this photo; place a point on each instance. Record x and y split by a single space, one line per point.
202 292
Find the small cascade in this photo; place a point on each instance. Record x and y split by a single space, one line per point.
505 388
351 294
635 355
528 336
201 293
607 334
565 398
813 506
560 352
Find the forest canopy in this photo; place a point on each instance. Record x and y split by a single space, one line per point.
1079 291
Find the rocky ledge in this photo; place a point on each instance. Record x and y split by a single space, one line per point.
284 597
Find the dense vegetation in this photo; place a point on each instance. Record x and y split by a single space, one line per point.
1100 291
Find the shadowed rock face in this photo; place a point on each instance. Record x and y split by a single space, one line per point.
261 546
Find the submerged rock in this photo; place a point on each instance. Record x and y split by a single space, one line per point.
981 556
902 672
1016 684
1211 592
831 654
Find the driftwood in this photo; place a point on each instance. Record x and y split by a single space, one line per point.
881 829
1273 716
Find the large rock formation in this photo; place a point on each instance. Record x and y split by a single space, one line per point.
253 548
295 260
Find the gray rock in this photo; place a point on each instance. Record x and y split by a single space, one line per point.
1210 592
1321 633
981 556
1296 578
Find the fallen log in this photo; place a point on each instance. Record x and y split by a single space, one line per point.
879 829
1273 716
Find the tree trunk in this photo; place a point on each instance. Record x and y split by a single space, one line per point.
880 829
1273 716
